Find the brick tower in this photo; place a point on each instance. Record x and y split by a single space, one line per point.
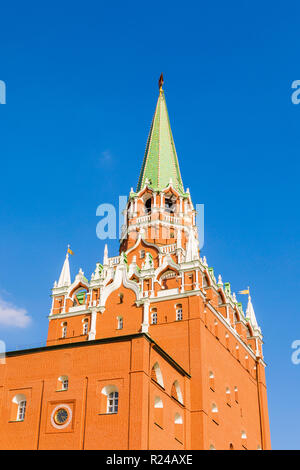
153 352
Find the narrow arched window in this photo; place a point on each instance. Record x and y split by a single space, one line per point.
148 206
214 408
21 410
176 392
236 394
64 330
170 205
153 316
156 374
179 312
158 411
178 422
228 396
85 327
111 393
63 382
120 323
212 380
113 402
19 403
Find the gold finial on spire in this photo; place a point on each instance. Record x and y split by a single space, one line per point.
160 82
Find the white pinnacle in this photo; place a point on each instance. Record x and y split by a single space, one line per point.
65 277
251 314
105 257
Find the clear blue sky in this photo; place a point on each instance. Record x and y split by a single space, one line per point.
81 90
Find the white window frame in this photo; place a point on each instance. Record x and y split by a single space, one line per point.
85 328
113 402
154 318
65 384
21 410
120 323
179 316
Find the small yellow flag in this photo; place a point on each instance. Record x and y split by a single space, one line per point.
246 291
70 251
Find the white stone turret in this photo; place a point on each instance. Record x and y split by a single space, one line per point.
65 277
105 256
250 314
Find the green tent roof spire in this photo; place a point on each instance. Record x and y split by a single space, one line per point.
160 161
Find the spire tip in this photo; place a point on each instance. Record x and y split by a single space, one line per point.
160 82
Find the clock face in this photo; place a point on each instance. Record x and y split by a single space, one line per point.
61 416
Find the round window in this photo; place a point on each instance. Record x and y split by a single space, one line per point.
61 416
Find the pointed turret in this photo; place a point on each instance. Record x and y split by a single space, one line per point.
250 314
160 161
65 277
105 256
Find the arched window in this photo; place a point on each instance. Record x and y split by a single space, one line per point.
158 411
79 297
169 205
120 323
228 396
19 407
63 382
212 380
158 403
179 312
156 374
112 399
176 392
148 204
214 408
21 410
64 330
85 326
178 422
243 435
231 447
153 316
113 402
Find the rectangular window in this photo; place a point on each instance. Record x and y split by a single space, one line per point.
179 314
120 323
154 318
113 402
65 384
21 410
